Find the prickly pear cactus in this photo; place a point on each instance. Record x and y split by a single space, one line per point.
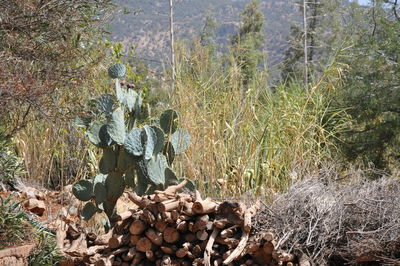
117 71
137 158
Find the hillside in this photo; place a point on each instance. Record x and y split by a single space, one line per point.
147 24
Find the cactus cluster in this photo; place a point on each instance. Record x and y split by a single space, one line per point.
136 157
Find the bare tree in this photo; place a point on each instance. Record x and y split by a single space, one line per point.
171 26
305 42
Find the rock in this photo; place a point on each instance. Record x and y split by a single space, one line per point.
35 206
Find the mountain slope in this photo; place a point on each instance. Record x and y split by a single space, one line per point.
147 26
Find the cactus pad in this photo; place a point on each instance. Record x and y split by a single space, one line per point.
180 140
109 161
117 71
83 190
116 126
88 211
134 142
169 121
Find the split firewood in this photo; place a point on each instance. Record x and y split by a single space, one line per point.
119 251
204 206
208 249
221 223
137 227
154 236
78 246
171 235
144 244
95 249
182 252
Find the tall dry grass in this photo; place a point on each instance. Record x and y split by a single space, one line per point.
251 137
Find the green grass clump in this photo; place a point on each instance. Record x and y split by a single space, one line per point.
13 227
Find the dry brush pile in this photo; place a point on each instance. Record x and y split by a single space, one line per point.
334 223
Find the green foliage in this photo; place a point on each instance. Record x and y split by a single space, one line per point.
12 225
132 156
11 165
371 93
46 253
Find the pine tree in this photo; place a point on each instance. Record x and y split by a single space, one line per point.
247 43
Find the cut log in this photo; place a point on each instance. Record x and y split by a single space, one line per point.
137 227
118 240
134 239
138 258
171 235
189 237
160 226
154 236
144 244
182 226
148 217
204 206
168 205
201 223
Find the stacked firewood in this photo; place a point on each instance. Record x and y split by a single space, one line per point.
171 228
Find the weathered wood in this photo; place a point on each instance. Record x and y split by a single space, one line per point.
210 243
204 206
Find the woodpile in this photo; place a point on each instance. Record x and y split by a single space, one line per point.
172 228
